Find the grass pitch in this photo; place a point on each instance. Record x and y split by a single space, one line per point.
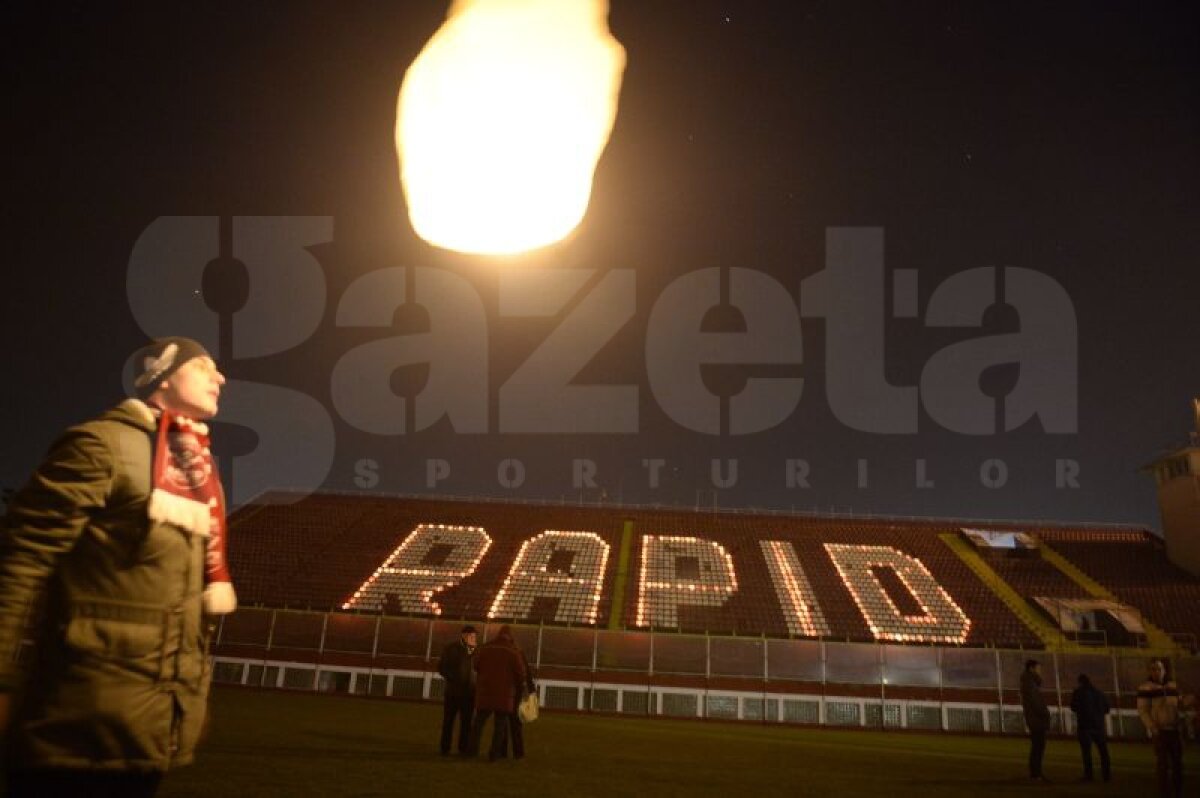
303 744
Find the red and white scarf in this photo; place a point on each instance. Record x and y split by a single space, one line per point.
187 493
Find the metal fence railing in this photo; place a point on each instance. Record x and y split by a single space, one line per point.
882 684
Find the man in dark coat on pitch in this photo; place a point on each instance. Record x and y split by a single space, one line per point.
500 670
1037 716
457 667
1090 706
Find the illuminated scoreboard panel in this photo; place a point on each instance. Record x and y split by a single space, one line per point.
570 569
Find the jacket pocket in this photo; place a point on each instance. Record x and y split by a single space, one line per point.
114 639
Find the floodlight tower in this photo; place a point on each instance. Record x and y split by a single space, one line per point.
1177 474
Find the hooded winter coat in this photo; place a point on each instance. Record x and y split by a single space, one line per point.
501 670
119 676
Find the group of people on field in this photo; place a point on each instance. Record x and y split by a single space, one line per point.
482 682
119 537
1160 707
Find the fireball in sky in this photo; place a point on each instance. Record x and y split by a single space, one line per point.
502 119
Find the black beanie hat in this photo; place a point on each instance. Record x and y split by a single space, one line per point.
159 359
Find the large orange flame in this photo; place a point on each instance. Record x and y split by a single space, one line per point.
502 119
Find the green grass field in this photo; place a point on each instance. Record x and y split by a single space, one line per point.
301 744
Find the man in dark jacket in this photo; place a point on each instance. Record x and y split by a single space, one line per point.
1090 707
122 530
457 667
1037 716
501 672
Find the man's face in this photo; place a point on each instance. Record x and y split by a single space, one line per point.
193 390
469 638
1157 671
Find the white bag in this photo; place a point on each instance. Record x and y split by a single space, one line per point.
527 710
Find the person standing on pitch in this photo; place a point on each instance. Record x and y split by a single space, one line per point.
122 529
457 667
1090 707
501 672
1037 716
1158 707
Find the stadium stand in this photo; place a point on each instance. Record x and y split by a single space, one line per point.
317 551
1133 565
723 614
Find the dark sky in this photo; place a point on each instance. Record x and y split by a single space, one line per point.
1056 139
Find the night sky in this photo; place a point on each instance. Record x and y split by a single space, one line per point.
1060 139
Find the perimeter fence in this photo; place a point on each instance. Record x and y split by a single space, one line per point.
688 675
